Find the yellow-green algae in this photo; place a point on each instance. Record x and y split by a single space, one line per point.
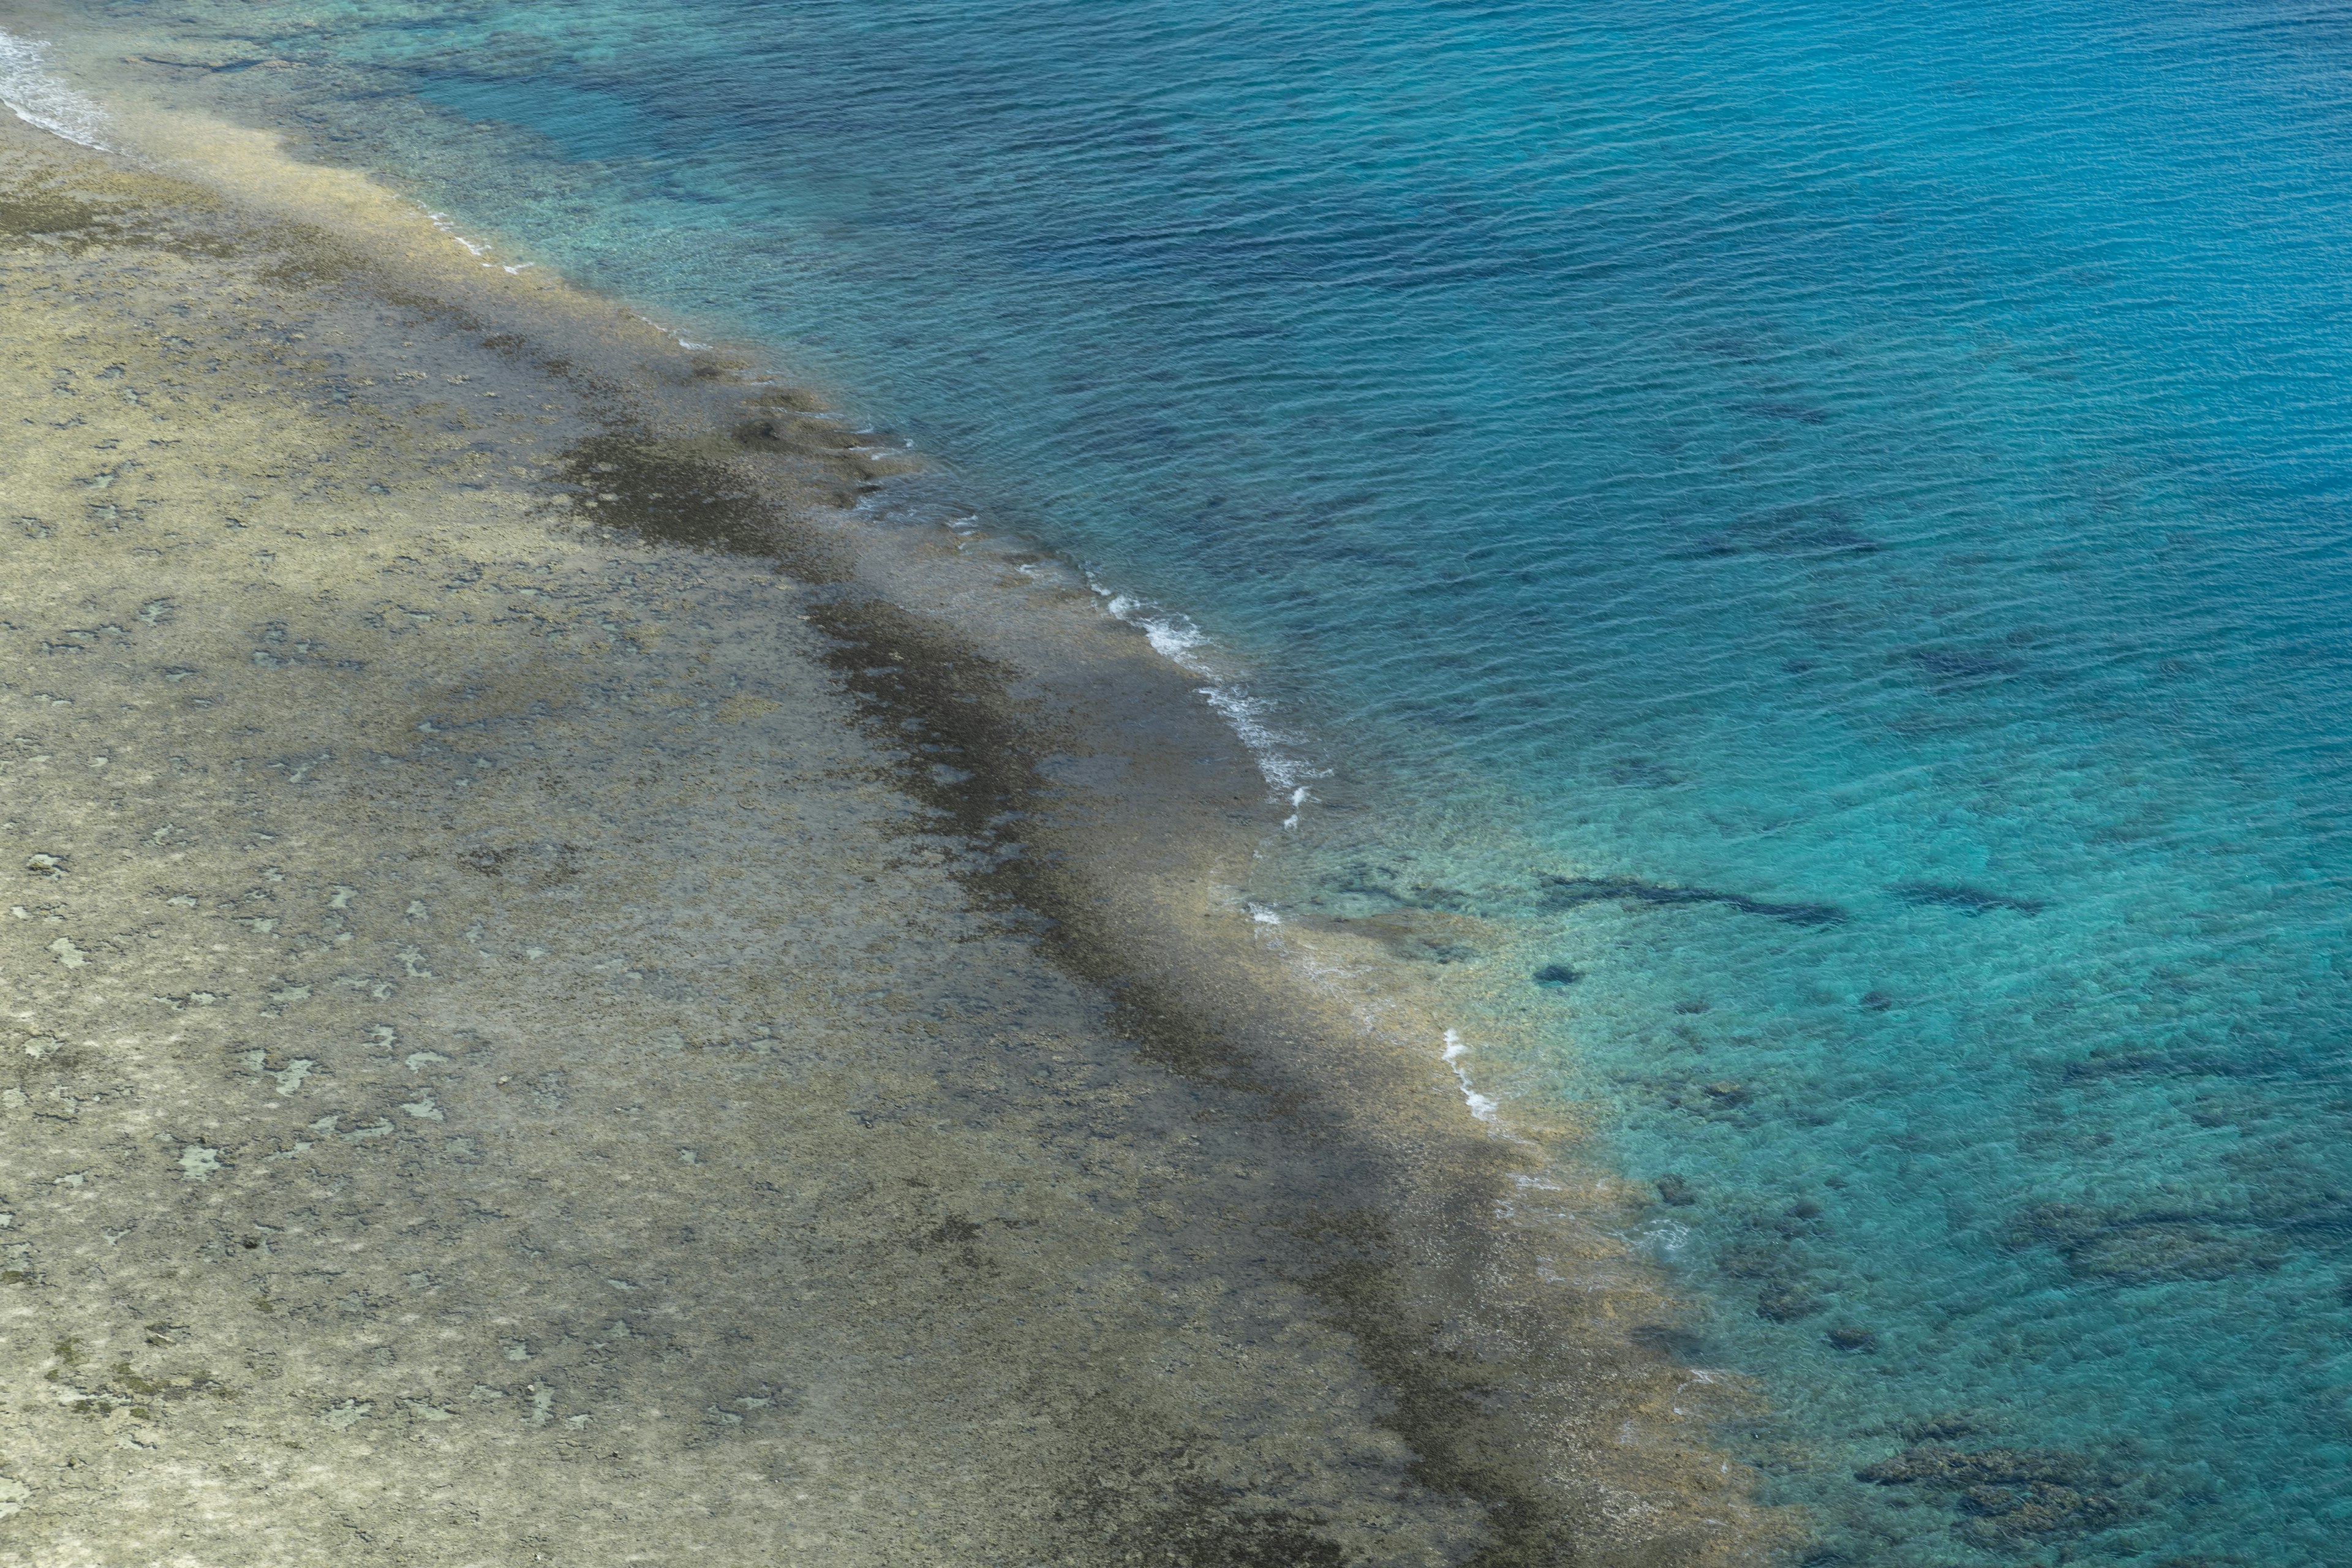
566 1003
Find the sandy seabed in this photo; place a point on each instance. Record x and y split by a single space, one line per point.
568 1000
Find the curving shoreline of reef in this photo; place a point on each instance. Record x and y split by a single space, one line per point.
688 1023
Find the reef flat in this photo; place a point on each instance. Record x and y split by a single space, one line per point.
567 1001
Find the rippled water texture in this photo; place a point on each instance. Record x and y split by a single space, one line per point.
1814 533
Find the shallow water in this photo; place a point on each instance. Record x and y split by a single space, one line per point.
1816 530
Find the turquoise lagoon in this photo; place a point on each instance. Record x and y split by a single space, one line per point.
1823 523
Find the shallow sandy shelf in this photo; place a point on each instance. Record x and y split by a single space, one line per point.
528 1044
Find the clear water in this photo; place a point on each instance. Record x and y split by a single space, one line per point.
1886 465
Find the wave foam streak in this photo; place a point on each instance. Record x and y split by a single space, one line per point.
1179 640
40 99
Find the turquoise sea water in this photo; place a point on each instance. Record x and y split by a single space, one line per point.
1822 524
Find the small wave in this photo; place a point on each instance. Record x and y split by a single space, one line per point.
904 506
681 339
1665 1239
441 221
1178 639
40 99
1481 1107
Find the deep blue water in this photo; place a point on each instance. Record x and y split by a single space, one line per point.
1824 524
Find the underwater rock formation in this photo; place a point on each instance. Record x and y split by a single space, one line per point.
1559 893
2140 1248
2009 1497
1968 900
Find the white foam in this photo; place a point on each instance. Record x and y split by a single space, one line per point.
890 504
1175 637
1481 1107
1665 1239
1172 636
40 99
672 333
441 221
1264 916
1178 639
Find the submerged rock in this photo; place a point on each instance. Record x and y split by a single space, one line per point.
2001 1516
1967 899
1938 1465
2146 1255
2009 1497
1785 1304
1561 893
2139 1248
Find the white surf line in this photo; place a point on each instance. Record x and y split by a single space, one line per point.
480 248
1338 980
1343 983
1481 1107
1175 637
42 101
441 221
1172 635
682 341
